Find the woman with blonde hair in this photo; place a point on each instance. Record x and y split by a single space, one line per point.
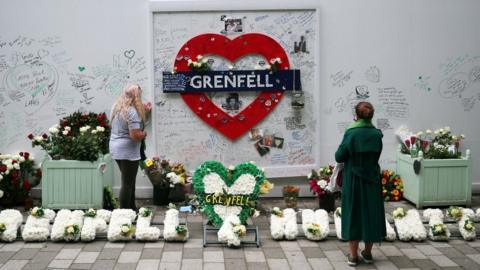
127 118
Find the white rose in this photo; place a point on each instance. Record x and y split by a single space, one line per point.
94 131
199 56
9 166
70 230
82 130
38 138
462 136
21 159
53 130
1 193
322 184
189 61
125 229
441 131
231 167
454 137
34 211
100 129
420 133
16 166
67 128
447 129
428 131
65 132
1 177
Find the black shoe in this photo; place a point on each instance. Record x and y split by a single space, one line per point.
352 261
367 258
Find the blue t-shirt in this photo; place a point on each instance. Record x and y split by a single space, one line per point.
122 147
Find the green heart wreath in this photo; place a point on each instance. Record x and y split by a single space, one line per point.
222 192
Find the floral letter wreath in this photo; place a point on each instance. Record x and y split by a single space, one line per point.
437 231
10 221
121 228
283 224
315 224
36 227
172 230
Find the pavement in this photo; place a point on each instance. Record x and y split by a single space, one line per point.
278 255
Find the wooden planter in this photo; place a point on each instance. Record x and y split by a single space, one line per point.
439 182
72 184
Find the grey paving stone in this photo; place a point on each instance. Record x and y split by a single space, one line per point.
114 245
328 245
439 244
133 246
59 263
425 264
401 262
188 264
109 254
51 246
44 256
313 252
213 266
125 266
192 253
87 257
254 256
14 264
68 254
401 245
36 266
171 256
104 264
428 250
390 250
413 253
95 246
129 256
194 243
307 243
151 253
474 257
342 265
385 265
80 266
451 252
466 263
170 266
159 244
15 246
34 245
278 264
300 266
290 246
213 256
25 254
173 246
235 264
257 266
465 249
335 256
273 253
148 264
295 257
233 253
6 255
270 243
320 264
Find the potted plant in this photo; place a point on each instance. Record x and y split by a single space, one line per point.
78 163
318 182
168 180
290 195
432 167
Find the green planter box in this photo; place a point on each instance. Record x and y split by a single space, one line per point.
72 184
440 182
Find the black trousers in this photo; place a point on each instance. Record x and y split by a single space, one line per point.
128 169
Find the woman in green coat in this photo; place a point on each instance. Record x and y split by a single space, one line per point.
363 213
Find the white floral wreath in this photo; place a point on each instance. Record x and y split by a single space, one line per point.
410 226
144 231
95 223
438 231
120 219
283 224
232 231
172 230
36 227
315 225
11 220
67 218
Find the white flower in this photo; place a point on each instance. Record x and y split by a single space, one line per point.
252 162
65 132
447 129
428 131
67 128
94 131
441 131
462 136
16 166
231 167
21 159
1 192
125 229
454 137
189 61
322 184
420 133
82 130
100 129
70 229
199 57
38 139
1 178
170 227
53 130
315 224
256 213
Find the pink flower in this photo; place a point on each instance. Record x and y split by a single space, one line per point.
147 106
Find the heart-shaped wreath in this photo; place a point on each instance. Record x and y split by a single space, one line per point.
223 192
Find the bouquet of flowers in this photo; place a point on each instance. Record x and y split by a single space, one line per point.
318 180
392 186
290 195
79 136
164 174
18 173
438 144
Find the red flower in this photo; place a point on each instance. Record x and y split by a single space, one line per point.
26 185
44 136
26 155
407 143
413 139
103 124
3 167
21 154
30 136
14 161
14 175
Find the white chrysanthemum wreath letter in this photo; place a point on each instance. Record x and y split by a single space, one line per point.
232 231
173 231
95 221
409 225
121 225
315 224
283 224
10 221
36 227
437 231
391 236
144 231
67 226
337 219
